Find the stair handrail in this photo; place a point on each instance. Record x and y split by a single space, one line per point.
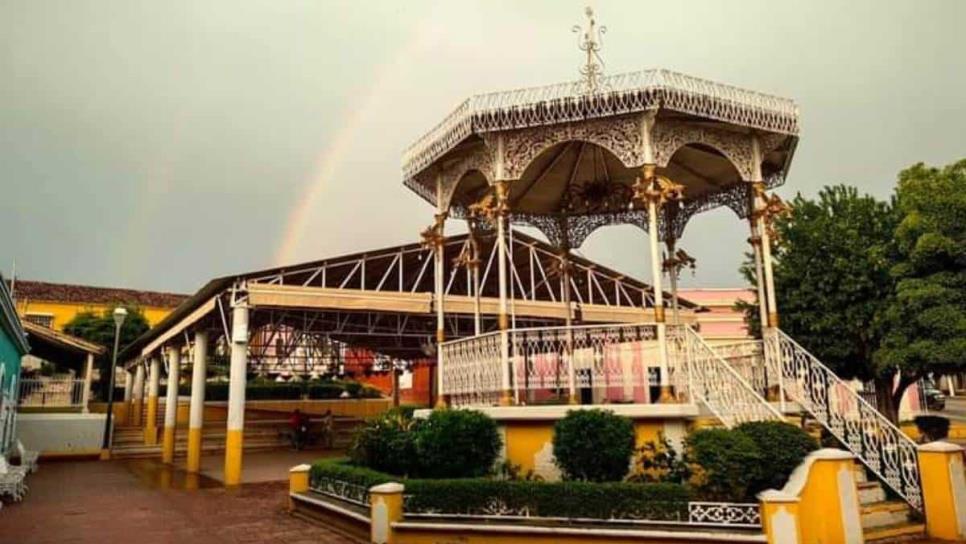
716 384
877 442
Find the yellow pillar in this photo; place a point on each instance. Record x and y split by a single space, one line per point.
151 426
236 395
943 490
171 405
386 508
137 399
298 481
818 505
196 415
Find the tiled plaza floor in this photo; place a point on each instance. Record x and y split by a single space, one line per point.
137 502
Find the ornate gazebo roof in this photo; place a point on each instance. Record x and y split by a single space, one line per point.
631 92
569 155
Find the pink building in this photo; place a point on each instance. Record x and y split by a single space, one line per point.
721 322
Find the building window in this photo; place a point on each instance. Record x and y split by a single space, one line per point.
44 320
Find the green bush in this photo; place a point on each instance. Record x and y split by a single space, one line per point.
933 428
457 444
594 445
386 443
262 389
661 462
551 499
728 463
782 447
324 390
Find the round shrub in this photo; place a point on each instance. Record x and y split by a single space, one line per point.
728 462
782 447
593 445
386 444
932 428
457 444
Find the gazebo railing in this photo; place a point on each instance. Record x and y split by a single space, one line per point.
859 426
53 392
605 363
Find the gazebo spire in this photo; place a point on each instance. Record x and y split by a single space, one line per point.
589 42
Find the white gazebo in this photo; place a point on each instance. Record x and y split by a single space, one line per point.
652 149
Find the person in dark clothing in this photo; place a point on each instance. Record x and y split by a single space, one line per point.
300 429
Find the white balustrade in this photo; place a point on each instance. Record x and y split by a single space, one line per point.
711 380
51 392
875 440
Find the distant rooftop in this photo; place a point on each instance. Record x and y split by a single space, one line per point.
26 290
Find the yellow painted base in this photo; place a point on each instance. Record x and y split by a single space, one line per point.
936 469
194 450
233 457
105 455
152 417
167 445
135 411
506 398
150 435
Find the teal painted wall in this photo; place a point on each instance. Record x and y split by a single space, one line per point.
10 360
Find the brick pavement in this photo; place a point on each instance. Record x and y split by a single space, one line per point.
136 501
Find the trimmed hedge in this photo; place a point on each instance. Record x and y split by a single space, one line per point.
456 444
782 447
549 499
594 445
728 463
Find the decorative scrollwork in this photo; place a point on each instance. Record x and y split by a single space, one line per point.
620 136
668 137
590 42
658 189
433 235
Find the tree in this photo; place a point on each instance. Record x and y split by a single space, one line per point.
832 277
99 329
924 326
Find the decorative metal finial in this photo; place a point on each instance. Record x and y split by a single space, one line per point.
589 42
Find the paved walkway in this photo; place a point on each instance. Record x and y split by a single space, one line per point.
139 501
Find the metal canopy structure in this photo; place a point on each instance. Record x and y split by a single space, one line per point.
382 301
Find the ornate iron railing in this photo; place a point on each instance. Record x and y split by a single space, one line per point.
611 363
339 489
748 360
691 514
714 382
619 94
868 434
470 371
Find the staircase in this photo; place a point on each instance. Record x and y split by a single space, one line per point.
260 435
885 520
882 449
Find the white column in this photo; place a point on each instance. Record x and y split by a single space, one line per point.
658 298
88 377
196 413
138 394
154 380
171 405
504 322
236 395
477 317
755 241
128 385
439 286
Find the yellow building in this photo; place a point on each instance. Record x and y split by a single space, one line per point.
53 305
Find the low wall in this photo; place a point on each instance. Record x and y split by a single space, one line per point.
527 431
217 411
55 435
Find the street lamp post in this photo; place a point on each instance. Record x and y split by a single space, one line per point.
119 315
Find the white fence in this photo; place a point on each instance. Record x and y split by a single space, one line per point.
52 392
607 363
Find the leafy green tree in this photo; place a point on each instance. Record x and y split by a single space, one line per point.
99 329
832 279
924 325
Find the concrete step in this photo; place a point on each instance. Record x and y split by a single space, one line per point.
870 493
900 532
884 514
